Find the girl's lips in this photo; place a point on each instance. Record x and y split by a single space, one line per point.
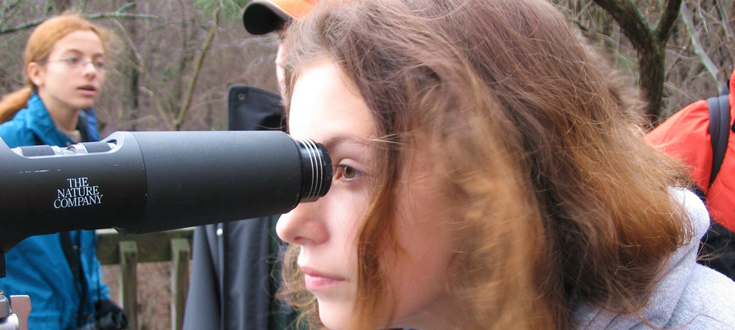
315 280
87 91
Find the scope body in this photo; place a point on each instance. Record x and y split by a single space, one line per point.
140 182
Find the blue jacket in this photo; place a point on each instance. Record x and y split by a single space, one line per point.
37 266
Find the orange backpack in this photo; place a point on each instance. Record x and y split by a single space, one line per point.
698 136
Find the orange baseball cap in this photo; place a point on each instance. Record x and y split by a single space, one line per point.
265 16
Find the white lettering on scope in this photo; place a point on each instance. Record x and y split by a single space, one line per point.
79 193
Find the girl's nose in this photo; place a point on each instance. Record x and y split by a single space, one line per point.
89 69
305 225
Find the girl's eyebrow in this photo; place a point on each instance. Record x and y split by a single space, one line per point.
351 146
339 141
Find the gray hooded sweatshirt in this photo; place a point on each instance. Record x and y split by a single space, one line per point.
691 296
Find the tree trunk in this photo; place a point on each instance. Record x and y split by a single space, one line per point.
652 70
650 43
134 74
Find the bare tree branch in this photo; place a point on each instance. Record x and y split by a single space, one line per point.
586 7
726 12
698 49
127 6
119 15
668 19
177 87
23 26
634 25
197 68
9 10
12 6
115 14
141 69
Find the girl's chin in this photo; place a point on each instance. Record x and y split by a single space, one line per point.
334 316
84 104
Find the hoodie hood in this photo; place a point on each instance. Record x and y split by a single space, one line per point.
690 296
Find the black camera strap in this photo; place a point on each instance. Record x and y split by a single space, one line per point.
77 271
82 126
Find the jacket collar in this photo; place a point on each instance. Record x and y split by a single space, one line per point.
43 125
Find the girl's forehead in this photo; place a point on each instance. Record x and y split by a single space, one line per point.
325 104
81 41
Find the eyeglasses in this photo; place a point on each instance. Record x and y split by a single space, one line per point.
77 63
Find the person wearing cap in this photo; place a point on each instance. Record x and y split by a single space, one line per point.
234 275
267 16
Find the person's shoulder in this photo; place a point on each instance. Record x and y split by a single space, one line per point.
705 297
15 132
706 302
696 212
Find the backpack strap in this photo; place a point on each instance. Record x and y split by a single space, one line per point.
719 129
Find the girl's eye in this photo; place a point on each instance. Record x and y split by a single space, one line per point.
72 60
347 172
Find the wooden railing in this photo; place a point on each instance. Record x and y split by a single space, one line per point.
129 250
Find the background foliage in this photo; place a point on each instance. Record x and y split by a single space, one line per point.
696 57
176 58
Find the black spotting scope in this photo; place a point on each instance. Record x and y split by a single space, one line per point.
139 182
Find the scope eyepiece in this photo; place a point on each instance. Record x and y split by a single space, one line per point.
316 167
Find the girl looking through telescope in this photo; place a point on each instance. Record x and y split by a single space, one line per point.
490 174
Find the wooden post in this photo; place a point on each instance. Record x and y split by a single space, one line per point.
180 255
129 250
129 281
